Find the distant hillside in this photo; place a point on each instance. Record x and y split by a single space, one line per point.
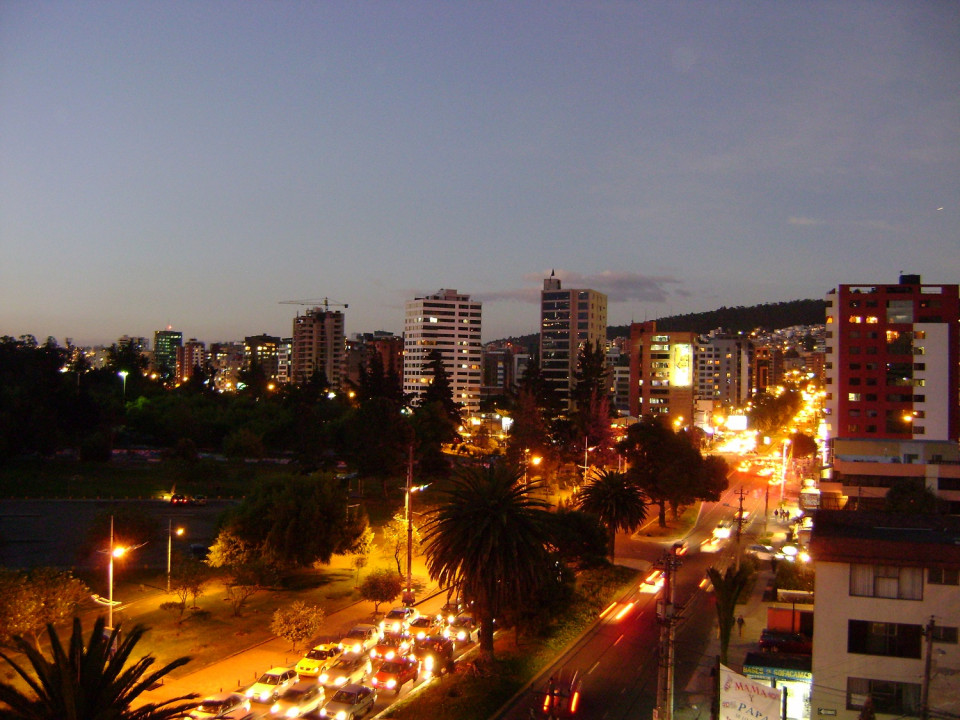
769 316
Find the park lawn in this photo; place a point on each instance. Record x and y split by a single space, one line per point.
468 695
676 527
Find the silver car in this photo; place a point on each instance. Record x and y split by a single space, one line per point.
222 706
350 702
299 699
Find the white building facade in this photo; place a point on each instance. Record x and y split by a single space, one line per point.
450 323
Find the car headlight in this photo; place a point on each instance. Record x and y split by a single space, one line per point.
389 655
391 683
340 680
342 715
428 661
276 708
250 693
293 712
323 678
461 635
265 695
421 635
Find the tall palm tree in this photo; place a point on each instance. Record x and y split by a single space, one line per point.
88 682
616 501
727 586
488 537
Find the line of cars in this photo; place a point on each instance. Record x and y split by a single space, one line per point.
341 680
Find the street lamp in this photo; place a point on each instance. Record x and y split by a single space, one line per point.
527 460
115 552
408 596
783 468
123 374
170 533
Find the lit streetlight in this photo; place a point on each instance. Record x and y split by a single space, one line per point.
527 461
123 375
783 468
115 552
170 534
409 596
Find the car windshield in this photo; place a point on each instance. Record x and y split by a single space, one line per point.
268 679
357 634
350 662
391 668
318 654
463 620
347 698
214 707
295 693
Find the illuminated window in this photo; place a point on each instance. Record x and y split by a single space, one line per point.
872 320
853 397
855 319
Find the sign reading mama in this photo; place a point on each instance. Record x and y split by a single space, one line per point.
744 699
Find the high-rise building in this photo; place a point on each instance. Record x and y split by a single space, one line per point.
661 373
569 321
893 396
319 345
450 323
723 364
192 354
226 358
264 350
165 344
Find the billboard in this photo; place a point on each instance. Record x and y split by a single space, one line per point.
681 365
744 699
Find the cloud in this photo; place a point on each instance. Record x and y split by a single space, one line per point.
618 287
804 221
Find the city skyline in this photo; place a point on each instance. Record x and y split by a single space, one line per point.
193 165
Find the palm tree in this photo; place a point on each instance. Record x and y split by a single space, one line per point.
616 501
488 538
88 682
727 587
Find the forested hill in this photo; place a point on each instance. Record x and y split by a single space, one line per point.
769 316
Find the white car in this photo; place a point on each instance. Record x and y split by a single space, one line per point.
268 686
399 619
760 552
305 696
349 669
222 706
350 702
360 639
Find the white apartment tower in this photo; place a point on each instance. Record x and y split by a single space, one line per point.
450 323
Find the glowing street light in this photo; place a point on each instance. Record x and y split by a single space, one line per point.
116 551
170 534
123 374
527 461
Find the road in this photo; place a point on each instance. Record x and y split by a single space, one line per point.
617 657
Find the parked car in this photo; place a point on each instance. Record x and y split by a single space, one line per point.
299 699
394 673
785 642
268 686
360 639
222 706
350 702
318 659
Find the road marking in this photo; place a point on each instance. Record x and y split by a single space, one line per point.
618 641
590 671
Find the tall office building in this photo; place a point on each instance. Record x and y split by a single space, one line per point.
319 345
165 344
893 396
450 323
569 320
723 369
264 350
661 373
192 354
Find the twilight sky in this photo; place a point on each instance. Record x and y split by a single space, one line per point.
194 163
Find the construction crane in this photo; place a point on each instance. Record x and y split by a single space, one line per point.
326 302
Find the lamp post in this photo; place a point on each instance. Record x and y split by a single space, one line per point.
123 375
170 533
115 551
409 597
783 468
527 460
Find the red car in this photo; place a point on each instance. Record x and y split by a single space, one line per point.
394 673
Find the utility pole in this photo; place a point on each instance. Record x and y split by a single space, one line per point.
408 596
667 616
741 494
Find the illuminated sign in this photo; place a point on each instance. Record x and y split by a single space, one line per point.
681 365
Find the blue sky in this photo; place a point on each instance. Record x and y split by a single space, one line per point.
195 163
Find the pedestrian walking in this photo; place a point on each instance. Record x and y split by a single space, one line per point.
740 625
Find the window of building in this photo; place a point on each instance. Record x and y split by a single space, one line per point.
853 397
886 639
855 319
872 320
944 634
853 381
854 366
888 696
886 581
943 576
853 428
871 428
